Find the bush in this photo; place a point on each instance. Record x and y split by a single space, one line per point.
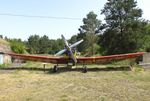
17 47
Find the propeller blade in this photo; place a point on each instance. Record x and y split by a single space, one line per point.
60 52
66 43
77 43
72 56
64 50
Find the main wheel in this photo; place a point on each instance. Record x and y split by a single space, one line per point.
84 69
55 69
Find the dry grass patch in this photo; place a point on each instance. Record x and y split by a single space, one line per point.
24 85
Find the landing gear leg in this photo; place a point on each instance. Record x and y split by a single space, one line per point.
84 69
55 69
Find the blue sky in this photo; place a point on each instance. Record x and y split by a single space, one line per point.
23 27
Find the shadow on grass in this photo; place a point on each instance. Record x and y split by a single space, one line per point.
66 69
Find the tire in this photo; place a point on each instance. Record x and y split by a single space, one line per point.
55 69
84 69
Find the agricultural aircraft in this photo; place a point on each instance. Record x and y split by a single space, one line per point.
71 57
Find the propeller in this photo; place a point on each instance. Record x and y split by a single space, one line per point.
61 52
66 43
72 56
77 43
69 49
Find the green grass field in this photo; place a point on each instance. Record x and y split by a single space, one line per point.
66 85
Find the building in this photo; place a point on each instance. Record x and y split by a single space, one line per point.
145 61
4 47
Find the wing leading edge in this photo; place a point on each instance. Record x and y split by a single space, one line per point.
63 60
46 59
103 59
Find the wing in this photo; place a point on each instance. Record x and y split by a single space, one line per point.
104 59
55 60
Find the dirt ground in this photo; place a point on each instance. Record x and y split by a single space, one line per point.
73 85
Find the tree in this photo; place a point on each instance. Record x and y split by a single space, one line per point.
87 32
33 44
17 46
44 44
1 36
124 27
146 39
73 39
56 45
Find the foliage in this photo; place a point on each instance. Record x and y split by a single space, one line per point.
4 65
125 28
126 62
146 39
33 43
73 39
56 45
87 32
44 44
17 46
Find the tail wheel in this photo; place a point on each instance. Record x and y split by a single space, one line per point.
55 69
84 69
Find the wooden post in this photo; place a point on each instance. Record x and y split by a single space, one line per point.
44 65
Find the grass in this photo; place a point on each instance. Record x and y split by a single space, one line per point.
24 85
4 65
2 41
30 64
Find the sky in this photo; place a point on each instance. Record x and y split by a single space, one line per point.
23 27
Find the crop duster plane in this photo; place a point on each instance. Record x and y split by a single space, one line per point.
72 58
